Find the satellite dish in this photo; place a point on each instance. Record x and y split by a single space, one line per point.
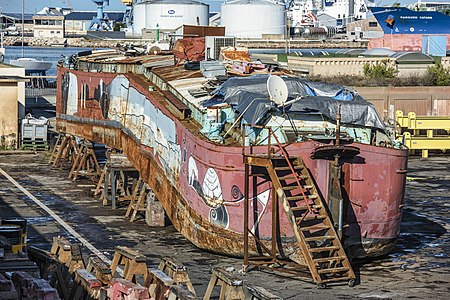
278 89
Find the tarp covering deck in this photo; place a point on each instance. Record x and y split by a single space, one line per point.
250 97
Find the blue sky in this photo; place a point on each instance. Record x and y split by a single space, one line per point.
32 6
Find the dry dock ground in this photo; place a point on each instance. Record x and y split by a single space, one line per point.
418 268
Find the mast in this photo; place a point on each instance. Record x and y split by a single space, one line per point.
23 25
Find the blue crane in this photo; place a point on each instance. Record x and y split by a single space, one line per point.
100 22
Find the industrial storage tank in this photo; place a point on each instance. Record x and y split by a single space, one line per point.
168 14
253 18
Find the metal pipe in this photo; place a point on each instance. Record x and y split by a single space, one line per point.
338 126
274 224
246 199
338 170
23 24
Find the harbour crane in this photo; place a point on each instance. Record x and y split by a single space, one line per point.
100 22
128 16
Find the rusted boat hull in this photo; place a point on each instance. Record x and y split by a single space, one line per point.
199 183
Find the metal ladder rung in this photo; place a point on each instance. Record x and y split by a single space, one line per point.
332 270
323 249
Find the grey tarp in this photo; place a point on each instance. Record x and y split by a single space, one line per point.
253 107
249 96
358 111
297 87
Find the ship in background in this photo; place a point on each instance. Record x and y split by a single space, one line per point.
408 30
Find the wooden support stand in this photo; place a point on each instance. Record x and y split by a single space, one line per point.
55 148
177 272
65 151
137 202
85 163
177 292
134 264
118 185
68 254
230 285
100 184
101 271
52 269
259 293
86 286
158 284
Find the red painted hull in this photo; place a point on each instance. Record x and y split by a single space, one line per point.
374 181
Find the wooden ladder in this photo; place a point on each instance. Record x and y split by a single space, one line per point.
307 213
312 225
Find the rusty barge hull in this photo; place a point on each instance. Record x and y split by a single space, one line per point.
199 182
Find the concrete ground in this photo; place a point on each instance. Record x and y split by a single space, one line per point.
418 268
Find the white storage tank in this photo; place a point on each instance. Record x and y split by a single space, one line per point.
168 14
253 18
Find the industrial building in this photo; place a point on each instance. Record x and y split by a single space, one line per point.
364 29
406 63
48 26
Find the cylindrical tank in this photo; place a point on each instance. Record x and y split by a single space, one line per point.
253 18
331 30
314 32
169 14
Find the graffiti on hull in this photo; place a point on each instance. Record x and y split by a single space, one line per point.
120 102
210 191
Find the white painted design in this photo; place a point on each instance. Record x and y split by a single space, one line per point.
118 93
262 198
72 96
192 171
212 191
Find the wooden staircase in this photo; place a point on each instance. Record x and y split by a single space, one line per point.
306 211
308 215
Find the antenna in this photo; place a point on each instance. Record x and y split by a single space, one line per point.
278 90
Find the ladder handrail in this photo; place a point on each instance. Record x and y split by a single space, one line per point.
286 157
285 154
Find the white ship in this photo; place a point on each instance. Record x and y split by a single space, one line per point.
31 65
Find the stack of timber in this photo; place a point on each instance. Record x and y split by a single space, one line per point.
423 132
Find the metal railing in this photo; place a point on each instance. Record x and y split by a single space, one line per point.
270 155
